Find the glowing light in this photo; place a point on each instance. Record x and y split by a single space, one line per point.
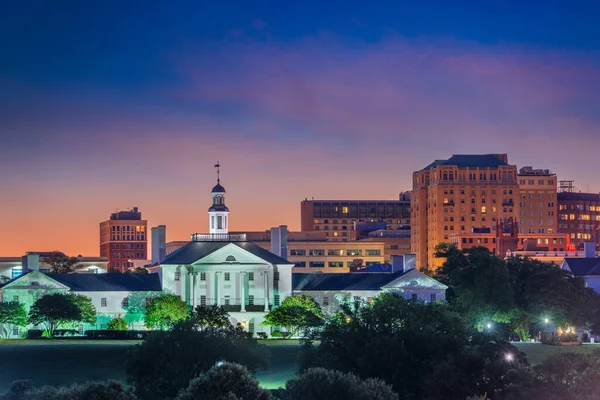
509 357
546 320
489 326
244 324
348 319
219 363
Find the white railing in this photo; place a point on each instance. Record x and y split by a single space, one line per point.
218 237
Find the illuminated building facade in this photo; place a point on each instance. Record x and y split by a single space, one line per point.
123 238
579 218
464 194
538 204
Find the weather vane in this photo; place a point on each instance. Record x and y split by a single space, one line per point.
218 167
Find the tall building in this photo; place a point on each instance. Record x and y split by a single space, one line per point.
538 205
464 194
338 218
578 216
123 239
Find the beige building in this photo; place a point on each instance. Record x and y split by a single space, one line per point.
464 194
538 205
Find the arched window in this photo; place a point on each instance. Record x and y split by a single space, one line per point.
35 283
230 259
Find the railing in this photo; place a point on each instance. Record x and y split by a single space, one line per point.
219 237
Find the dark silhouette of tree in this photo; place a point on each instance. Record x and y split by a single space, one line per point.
60 263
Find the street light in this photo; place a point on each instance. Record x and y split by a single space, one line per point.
489 325
546 320
508 357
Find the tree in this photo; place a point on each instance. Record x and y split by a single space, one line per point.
52 310
167 360
12 314
88 311
210 316
296 313
117 324
164 310
406 344
225 381
4 279
138 270
61 263
323 384
109 390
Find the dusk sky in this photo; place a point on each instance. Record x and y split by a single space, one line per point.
107 105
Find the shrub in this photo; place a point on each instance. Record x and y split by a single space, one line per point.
35 334
568 337
117 324
262 335
585 337
323 384
549 338
110 390
18 390
66 332
117 335
224 381
281 335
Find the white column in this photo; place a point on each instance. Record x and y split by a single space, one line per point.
191 278
243 290
266 291
194 274
217 289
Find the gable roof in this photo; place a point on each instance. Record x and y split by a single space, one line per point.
110 282
583 266
470 161
194 251
343 281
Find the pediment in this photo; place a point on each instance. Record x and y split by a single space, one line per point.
415 279
231 254
35 280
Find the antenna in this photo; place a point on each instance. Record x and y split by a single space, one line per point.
218 167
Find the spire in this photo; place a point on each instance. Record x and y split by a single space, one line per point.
218 167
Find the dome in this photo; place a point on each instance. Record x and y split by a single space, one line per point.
218 189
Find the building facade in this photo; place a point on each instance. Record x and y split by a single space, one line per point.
538 204
579 218
12 267
123 238
338 218
466 193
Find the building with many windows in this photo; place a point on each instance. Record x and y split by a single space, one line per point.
464 194
123 238
538 204
338 218
579 218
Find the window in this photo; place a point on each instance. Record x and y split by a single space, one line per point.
251 327
227 276
219 222
16 298
432 298
317 264
276 275
336 264
354 252
317 252
227 300
300 264
177 275
372 252
125 302
230 259
250 276
202 300
251 300
15 272
276 300
202 276
103 302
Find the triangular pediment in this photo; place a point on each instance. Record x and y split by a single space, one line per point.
35 280
231 254
415 279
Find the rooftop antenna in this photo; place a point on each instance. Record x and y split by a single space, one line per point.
218 167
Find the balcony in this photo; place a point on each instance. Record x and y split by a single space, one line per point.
218 237
235 304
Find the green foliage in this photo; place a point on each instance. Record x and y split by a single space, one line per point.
423 350
165 310
61 263
225 381
210 316
12 314
323 384
55 309
4 279
117 324
296 313
110 390
88 311
138 270
167 360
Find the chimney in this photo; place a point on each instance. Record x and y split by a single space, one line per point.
31 262
589 249
501 157
159 244
403 263
279 239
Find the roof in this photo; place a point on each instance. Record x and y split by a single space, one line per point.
194 251
110 282
576 196
470 161
342 281
218 189
220 207
584 266
376 268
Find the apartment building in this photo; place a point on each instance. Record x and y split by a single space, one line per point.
123 239
463 194
579 218
538 205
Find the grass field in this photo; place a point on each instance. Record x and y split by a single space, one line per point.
63 362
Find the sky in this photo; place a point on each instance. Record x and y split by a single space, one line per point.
115 104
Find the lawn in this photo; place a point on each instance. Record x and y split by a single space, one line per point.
63 362
537 352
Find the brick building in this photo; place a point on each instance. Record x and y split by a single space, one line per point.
123 238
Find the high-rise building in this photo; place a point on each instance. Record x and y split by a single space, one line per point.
538 204
123 239
464 194
578 216
338 218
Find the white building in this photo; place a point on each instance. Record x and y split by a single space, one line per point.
587 268
112 295
12 267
